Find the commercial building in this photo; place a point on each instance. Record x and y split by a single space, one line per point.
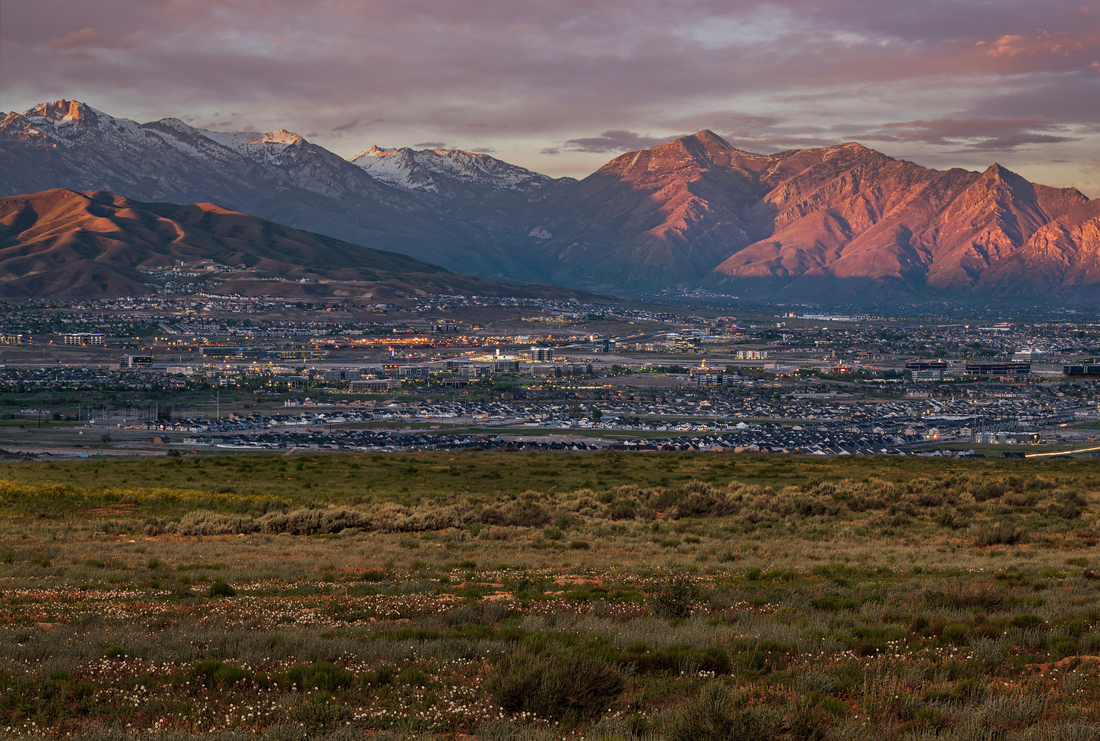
998 369
135 361
1029 356
343 374
1090 367
926 370
83 338
374 385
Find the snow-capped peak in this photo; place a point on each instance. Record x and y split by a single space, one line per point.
432 169
61 111
373 151
282 136
63 122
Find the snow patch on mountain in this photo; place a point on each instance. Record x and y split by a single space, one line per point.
264 148
435 169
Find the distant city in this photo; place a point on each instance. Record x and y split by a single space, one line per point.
193 372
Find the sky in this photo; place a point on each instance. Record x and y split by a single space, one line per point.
563 86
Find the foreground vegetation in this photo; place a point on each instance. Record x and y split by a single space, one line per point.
502 596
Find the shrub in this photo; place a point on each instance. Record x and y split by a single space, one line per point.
320 712
956 632
412 676
527 513
381 676
1000 534
676 597
832 603
715 714
622 509
217 673
573 687
219 588
962 596
322 676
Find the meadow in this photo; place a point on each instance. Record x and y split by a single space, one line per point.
541 596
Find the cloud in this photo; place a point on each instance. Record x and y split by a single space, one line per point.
1062 43
535 79
1018 140
431 145
990 134
79 45
85 38
615 140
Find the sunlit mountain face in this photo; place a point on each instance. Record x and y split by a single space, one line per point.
842 223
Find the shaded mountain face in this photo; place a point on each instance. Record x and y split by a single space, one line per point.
61 243
841 223
451 173
656 218
278 176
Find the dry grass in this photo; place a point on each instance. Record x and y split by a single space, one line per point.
865 599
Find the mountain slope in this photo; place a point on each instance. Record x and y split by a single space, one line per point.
841 223
95 244
446 172
278 176
655 218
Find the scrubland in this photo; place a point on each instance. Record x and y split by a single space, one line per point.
543 596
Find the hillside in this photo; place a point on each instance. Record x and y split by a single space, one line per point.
67 244
837 224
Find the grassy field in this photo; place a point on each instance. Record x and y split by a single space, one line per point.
542 596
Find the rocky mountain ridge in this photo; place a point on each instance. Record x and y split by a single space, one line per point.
450 172
833 224
61 243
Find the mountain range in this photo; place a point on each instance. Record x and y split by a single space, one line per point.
833 224
61 243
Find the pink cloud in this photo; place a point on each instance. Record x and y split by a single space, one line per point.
528 76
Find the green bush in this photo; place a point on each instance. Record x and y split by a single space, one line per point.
217 673
219 588
322 676
412 676
320 712
1000 534
383 675
956 632
570 687
676 597
715 714
835 604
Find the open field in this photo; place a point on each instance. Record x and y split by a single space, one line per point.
538 596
